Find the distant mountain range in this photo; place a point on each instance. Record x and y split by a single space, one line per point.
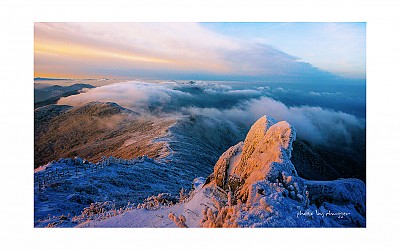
49 79
46 94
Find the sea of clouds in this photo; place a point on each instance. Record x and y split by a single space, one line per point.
237 104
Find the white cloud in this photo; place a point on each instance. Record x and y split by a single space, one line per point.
133 95
140 48
318 125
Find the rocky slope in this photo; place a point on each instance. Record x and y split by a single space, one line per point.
254 184
95 130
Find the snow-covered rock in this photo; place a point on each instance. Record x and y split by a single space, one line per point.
264 154
269 193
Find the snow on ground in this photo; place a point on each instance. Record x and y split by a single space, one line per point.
263 191
64 188
191 209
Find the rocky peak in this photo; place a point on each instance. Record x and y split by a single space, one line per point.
264 154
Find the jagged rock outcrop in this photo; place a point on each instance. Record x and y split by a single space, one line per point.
264 154
254 184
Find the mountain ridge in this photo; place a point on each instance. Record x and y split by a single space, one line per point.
276 197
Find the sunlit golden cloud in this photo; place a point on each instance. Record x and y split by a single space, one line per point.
167 50
80 51
80 48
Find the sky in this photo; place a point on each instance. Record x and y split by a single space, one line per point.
218 51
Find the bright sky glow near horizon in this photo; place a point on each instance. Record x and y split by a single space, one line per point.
200 50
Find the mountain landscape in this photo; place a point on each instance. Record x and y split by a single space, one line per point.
253 184
189 125
98 163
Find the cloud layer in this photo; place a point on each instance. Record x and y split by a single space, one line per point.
233 103
158 50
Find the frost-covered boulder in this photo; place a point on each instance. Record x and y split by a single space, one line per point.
254 184
264 154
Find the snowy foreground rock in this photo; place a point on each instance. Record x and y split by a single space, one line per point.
254 184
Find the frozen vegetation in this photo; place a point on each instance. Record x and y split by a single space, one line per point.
70 190
254 184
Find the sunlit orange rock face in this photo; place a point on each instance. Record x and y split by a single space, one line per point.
266 144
